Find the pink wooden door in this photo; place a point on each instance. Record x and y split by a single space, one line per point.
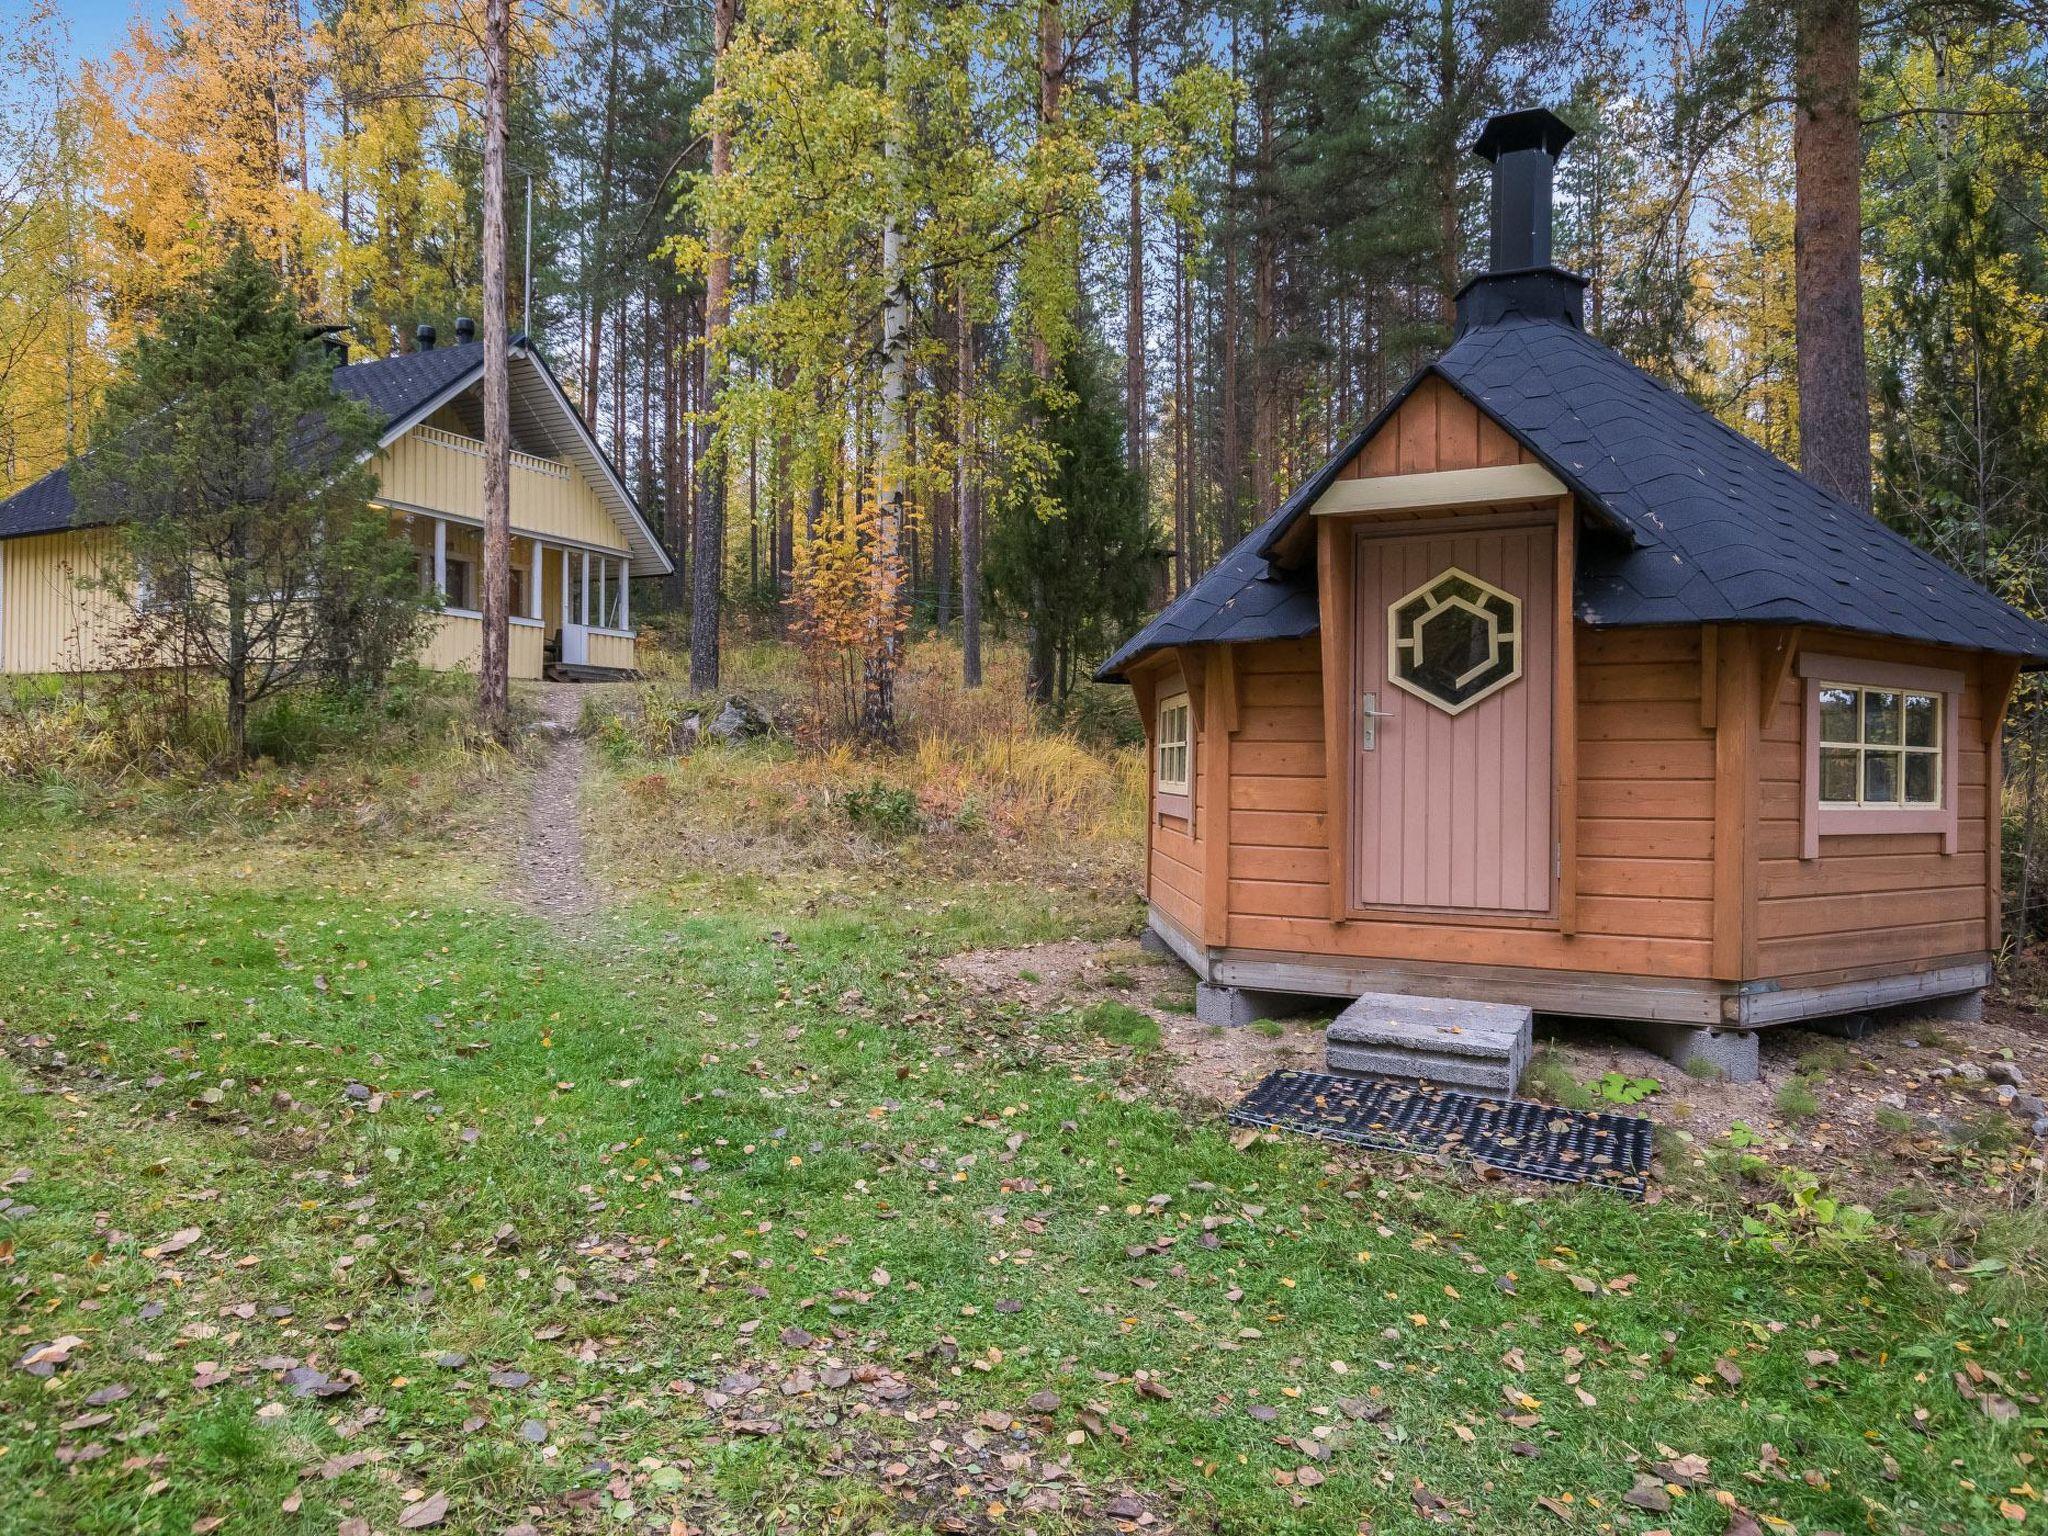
1453 781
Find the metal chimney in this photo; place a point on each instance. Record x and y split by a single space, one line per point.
1523 147
1519 279
465 328
424 336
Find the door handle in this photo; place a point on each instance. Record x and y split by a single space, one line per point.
1370 715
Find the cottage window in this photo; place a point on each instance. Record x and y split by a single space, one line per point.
1879 746
1172 776
458 584
1879 749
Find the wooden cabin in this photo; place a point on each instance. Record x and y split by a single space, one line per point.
1550 688
578 536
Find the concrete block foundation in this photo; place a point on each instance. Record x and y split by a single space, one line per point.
1235 1007
1962 1008
1727 1054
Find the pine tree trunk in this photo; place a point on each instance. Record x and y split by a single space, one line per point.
708 540
945 394
1449 155
1052 44
646 394
1185 452
493 683
1134 297
1230 468
687 360
1265 322
967 492
597 267
784 451
1827 237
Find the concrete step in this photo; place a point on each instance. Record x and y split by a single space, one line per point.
575 672
1452 1041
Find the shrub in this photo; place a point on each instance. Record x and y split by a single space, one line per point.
292 730
1101 714
883 809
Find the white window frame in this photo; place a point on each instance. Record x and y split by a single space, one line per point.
1181 787
1819 818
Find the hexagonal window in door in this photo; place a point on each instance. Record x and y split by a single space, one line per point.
1454 640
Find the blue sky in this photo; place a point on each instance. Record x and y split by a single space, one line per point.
97 27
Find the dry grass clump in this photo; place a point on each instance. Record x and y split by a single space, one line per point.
983 783
147 749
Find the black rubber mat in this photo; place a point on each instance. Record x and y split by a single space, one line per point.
1536 1141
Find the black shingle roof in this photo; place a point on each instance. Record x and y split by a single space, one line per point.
394 387
1241 598
1716 529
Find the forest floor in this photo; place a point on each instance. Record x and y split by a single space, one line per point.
764 1174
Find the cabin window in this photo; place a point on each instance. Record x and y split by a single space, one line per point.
1174 741
1454 640
1880 750
458 584
1879 746
159 590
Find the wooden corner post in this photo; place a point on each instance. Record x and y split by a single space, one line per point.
1219 723
1737 798
2000 676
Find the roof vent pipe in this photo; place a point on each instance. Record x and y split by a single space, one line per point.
1523 147
465 328
424 336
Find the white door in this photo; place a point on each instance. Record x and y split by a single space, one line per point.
575 605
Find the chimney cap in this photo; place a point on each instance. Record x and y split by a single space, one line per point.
425 337
1529 128
465 328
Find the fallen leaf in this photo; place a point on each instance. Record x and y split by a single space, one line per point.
1648 1494
429 1511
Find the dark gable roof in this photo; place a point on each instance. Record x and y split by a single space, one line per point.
394 387
398 386
1715 529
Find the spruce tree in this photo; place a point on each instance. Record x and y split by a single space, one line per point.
1076 558
239 480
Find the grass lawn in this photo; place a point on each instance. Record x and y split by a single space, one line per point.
362 1193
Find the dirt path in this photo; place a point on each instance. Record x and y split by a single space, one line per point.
549 879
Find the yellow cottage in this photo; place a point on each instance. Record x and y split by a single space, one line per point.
578 537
